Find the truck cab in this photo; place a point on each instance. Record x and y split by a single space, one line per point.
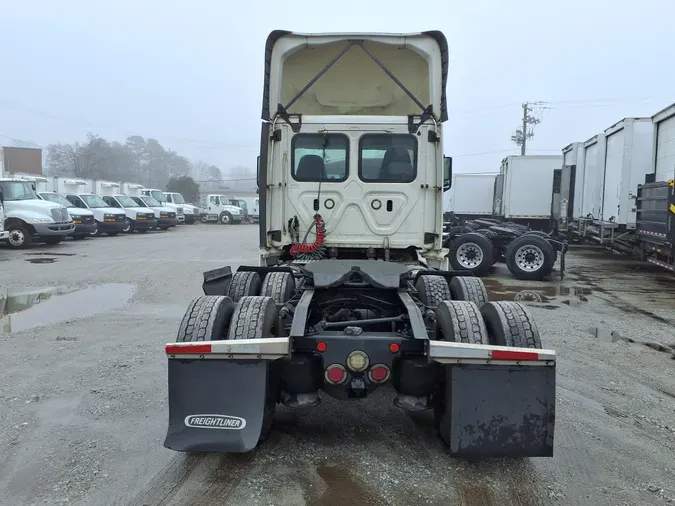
139 218
160 197
219 208
190 211
108 220
3 233
252 208
30 219
85 224
165 216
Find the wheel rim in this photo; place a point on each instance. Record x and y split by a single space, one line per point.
529 258
469 255
16 237
127 227
225 219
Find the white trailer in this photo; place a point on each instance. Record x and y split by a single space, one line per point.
628 158
664 144
527 187
594 176
471 194
572 178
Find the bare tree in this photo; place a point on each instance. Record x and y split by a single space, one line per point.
85 160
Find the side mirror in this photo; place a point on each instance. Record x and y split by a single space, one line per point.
32 185
447 173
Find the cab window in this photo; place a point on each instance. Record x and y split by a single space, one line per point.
214 200
111 201
388 158
75 200
319 157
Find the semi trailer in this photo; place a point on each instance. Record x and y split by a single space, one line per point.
352 289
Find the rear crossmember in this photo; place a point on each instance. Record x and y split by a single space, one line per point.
495 399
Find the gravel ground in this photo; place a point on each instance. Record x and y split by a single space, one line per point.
83 392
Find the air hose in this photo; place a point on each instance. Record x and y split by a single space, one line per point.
316 250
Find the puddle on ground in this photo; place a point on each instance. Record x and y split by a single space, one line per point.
43 260
25 308
541 294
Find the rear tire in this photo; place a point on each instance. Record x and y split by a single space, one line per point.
530 257
460 322
207 318
469 289
510 324
244 283
278 285
432 290
255 318
473 252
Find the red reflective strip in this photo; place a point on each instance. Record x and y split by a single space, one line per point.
199 349
514 355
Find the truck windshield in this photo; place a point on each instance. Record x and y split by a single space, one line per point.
178 198
57 198
149 201
388 158
94 201
126 201
320 157
139 201
17 190
157 195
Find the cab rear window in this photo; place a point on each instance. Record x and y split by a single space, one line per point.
319 157
388 158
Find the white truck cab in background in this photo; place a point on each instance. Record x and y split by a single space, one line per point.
108 219
252 207
190 211
159 196
30 219
3 234
138 218
218 208
165 216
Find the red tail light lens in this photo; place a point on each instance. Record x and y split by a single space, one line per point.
379 373
335 374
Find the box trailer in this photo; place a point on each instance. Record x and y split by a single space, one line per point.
664 144
628 159
571 181
471 195
527 187
594 177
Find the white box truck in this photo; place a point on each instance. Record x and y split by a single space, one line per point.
471 195
628 158
664 144
527 187
594 176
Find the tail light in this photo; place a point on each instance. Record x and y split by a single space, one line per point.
379 373
335 374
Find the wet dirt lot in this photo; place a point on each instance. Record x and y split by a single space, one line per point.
83 392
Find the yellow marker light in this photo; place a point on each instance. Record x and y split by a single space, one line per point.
357 361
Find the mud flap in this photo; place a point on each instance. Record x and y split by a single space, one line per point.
216 405
499 410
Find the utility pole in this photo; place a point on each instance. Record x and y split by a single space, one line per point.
521 135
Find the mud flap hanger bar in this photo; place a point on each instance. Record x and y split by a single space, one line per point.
427 112
274 348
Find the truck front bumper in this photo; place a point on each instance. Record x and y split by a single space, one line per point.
166 222
52 229
145 224
112 226
84 228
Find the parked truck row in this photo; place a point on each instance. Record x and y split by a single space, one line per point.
43 209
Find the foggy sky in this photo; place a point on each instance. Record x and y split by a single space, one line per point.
190 73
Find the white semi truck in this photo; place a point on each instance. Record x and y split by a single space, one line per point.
30 219
159 196
219 209
352 290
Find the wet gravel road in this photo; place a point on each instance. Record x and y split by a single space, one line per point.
83 392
